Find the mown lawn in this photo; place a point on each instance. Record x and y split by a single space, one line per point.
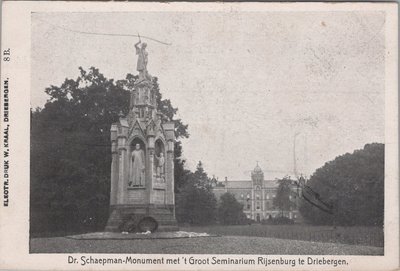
250 245
366 236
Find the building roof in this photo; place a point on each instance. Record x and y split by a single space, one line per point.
270 183
247 184
238 184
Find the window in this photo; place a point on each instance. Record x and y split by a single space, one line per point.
248 206
241 195
258 196
248 196
267 196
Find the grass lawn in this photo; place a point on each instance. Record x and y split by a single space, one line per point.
203 245
366 236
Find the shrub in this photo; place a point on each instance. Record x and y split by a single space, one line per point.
281 220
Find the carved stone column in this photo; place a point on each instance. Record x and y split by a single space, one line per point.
169 174
114 165
172 196
122 162
169 129
114 174
150 168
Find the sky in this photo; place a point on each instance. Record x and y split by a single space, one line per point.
252 86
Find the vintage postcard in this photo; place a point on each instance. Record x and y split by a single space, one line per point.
199 136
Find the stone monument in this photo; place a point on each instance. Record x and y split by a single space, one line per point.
142 170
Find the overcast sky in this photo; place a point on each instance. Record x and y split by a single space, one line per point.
245 82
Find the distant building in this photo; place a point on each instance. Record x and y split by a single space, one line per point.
257 196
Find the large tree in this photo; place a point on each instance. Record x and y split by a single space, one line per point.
196 203
230 211
352 185
283 199
71 152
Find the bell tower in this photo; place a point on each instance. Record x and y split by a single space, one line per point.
257 176
142 170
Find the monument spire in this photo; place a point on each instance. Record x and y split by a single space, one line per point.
143 104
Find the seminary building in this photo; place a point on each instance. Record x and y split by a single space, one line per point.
257 196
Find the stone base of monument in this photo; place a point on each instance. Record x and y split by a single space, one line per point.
141 218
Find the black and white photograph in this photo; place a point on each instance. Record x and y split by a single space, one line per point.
253 130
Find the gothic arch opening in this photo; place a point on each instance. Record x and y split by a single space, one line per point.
159 161
137 164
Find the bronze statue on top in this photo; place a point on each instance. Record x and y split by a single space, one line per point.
142 61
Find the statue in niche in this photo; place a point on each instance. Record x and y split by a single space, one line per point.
146 96
142 61
160 166
138 167
133 100
150 129
131 120
137 97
